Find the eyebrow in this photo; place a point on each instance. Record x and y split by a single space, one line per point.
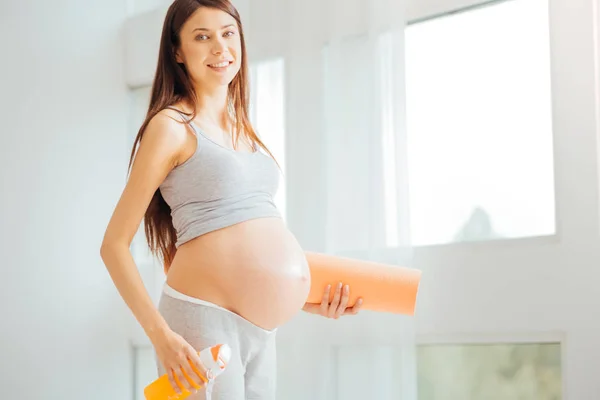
205 29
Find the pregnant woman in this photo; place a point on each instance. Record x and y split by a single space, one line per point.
203 182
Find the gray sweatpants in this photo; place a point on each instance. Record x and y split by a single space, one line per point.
251 372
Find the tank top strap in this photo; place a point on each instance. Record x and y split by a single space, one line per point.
186 119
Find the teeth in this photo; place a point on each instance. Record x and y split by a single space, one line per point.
220 65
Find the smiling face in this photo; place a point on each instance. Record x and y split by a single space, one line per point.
211 48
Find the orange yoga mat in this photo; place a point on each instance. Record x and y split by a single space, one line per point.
383 287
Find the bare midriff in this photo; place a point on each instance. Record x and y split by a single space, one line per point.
256 269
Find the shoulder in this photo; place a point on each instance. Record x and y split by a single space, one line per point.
166 136
167 127
168 123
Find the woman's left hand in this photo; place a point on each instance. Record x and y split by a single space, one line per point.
337 307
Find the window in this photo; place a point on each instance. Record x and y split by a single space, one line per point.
479 124
490 371
268 114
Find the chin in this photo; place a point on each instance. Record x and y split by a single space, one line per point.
225 82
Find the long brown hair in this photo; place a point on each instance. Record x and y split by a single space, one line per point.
172 84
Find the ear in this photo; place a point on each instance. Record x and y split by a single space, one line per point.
178 57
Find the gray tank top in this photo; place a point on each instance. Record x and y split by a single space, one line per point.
218 187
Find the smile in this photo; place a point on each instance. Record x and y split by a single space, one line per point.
220 65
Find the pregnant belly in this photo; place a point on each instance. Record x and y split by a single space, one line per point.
256 269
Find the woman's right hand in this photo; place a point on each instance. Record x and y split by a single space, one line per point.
175 354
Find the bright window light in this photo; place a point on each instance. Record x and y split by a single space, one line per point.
268 114
479 123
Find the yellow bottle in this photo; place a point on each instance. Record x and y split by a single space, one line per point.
214 359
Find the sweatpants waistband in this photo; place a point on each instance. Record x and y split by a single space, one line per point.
171 292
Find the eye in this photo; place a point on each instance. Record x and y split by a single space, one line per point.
201 37
229 33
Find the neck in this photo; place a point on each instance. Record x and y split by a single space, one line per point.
212 106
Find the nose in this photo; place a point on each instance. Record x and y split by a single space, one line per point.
219 46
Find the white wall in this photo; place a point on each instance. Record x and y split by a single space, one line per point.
596 16
143 6
64 109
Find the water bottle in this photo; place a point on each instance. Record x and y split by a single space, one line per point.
214 359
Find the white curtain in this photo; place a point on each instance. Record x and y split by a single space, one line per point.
365 136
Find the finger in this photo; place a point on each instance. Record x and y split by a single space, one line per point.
190 375
181 380
312 308
197 367
324 306
354 309
343 302
174 381
325 298
336 301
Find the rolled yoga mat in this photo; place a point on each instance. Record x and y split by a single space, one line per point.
383 287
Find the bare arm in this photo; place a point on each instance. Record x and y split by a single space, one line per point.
157 154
